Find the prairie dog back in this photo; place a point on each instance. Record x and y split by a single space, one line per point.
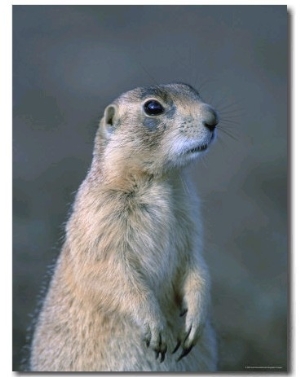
131 285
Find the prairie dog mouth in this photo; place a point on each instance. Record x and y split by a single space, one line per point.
200 148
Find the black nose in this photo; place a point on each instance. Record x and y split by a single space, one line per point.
211 127
211 120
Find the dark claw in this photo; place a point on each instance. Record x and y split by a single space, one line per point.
187 334
183 312
185 352
177 346
162 356
148 339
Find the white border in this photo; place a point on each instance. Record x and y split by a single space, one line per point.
6 186
6 158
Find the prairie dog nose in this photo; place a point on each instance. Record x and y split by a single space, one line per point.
210 118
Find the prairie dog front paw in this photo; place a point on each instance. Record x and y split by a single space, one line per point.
194 322
155 336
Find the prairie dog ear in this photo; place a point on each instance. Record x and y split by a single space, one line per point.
108 123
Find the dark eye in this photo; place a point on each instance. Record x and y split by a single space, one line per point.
153 107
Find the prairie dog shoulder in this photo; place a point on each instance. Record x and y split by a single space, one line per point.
131 278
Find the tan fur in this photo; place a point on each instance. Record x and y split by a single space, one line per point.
131 261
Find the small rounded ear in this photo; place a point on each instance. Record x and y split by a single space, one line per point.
108 123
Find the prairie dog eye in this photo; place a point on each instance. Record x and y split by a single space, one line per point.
153 107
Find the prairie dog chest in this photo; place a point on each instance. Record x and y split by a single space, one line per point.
160 227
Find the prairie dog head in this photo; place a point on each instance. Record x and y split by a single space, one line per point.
155 129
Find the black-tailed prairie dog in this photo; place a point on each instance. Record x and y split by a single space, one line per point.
130 290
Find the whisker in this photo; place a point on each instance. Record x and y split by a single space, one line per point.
147 72
185 187
228 133
229 106
204 161
230 122
229 116
230 111
203 84
221 141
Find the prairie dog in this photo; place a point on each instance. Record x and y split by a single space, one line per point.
130 285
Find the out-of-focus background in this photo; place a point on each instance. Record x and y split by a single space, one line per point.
71 61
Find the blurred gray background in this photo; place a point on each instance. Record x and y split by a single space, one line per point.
71 61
